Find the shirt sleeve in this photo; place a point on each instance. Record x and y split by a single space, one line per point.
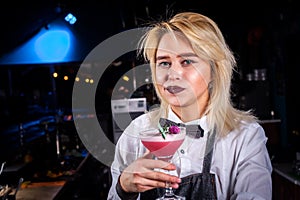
128 149
112 194
254 168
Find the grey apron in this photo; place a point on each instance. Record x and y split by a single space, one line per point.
200 186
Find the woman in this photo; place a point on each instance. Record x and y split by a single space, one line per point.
192 68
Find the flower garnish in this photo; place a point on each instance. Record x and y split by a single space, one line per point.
168 130
174 129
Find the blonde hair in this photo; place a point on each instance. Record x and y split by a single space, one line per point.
209 44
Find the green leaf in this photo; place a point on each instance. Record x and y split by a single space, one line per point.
162 131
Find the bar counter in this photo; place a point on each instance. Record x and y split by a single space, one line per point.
286 183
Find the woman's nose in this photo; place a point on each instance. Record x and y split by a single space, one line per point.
174 72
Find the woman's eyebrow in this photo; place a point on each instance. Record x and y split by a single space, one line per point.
183 55
187 55
162 57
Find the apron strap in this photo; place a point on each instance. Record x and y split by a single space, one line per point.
208 184
209 152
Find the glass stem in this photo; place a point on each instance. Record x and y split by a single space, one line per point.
169 189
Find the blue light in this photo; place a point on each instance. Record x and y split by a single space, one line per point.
53 45
70 18
73 20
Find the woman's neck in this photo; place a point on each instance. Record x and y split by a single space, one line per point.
190 113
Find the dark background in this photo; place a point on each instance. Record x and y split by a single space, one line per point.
100 19
263 34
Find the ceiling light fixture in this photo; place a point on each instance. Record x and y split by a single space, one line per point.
70 18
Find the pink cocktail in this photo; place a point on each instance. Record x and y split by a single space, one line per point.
160 147
164 147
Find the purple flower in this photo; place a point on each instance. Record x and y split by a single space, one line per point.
174 129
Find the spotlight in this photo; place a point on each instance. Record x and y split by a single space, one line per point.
70 18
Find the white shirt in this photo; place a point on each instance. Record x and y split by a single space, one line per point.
240 160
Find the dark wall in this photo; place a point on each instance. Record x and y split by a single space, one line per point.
292 90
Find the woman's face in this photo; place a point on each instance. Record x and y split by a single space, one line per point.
182 77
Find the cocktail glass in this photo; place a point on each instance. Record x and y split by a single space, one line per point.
164 149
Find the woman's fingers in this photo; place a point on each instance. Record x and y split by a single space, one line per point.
144 183
143 175
158 177
155 164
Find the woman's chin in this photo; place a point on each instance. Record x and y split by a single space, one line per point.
175 103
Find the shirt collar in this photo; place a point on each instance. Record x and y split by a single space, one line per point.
202 121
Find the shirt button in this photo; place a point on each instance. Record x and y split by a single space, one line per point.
182 151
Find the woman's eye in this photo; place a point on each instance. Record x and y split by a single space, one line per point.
187 62
163 64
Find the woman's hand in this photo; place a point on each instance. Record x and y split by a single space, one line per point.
140 175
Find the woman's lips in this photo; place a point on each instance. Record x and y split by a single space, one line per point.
174 89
